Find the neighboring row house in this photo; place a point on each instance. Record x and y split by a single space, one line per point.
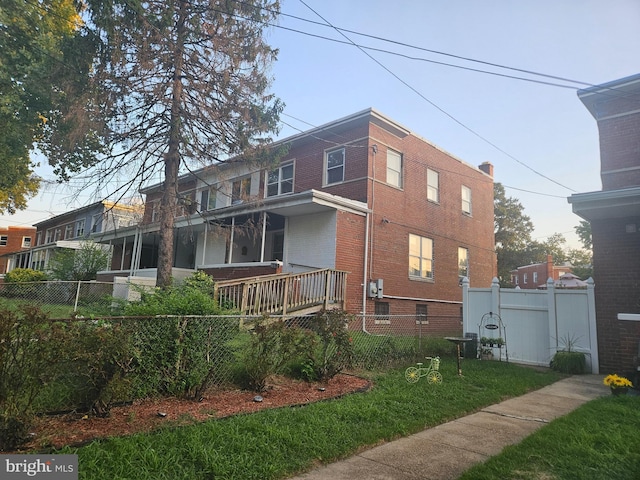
614 214
15 242
69 229
535 276
363 195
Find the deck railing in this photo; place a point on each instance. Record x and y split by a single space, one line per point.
284 293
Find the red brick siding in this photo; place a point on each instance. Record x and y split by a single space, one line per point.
616 260
14 242
350 240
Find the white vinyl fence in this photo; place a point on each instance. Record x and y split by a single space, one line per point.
537 322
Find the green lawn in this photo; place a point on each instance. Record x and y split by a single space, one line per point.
282 442
598 441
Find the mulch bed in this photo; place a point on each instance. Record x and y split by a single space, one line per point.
147 415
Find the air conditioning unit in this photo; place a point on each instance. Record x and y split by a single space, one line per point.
375 288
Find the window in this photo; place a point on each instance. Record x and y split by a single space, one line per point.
58 235
421 314
38 237
280 181
517 282
463 262
240 190
535 278
466 200
525 278
80 228
335 166
3 240
96 222
420 257
26 242
382 313
208 199
433 189
394 168
277 248
49 236
68 231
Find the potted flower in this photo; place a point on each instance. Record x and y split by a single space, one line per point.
618 385
486 354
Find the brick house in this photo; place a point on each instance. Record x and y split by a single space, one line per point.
362 194
536 275
614 213
15 241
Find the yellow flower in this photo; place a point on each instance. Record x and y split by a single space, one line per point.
615 381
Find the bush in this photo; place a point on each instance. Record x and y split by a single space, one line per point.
21 283
335 351
569 362
28 346
272 347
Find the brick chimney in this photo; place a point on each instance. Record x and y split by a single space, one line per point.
549 268
487 168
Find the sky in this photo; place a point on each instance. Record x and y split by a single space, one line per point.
540 138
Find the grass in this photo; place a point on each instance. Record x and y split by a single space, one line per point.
598 441
283 442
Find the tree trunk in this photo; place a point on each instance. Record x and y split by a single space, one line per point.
168 204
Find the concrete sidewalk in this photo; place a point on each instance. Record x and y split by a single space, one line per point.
448 450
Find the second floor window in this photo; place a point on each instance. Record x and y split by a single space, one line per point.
463 262
49 236
26 242
420 257
335 166
280 181
4 239
394 168
68 232
80 228
208 199
240 190
433 189
466 200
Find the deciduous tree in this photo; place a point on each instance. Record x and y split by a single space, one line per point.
175 84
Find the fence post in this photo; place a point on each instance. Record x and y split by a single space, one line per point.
327 286
552 317
593 328
285 294
75 305
465 306
495 295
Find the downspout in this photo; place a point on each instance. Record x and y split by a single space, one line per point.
365 283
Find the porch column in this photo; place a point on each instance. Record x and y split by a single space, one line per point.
233 227
264 233
204 244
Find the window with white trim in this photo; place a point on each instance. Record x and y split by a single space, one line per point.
49 236
525 278
433 187
466 200
335 166
208 198
394 168
68 231
535 278
463 262
26 242
420 257
240 190
80 228
4 239
280 180
421 314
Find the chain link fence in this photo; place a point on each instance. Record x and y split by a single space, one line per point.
104 359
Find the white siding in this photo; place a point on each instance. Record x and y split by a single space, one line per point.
310 242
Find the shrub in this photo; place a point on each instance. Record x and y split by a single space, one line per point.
272 347
21 282
569 362
28 346
335 350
